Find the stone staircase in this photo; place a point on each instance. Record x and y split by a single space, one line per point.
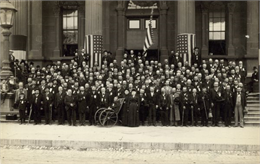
252 118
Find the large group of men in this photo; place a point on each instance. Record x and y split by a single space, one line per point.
172 92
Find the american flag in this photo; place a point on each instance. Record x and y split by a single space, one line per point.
93 46
148 41
185 46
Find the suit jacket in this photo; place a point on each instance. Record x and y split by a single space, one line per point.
196 59
59 99
152 99
215 97
243 99
36 104
82 102
164 101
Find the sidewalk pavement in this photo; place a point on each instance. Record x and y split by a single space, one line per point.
143 137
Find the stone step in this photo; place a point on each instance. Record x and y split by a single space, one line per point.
253 105
251 118
253 101
254 94
252 98
252 123
253 114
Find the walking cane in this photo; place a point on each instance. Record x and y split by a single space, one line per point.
205 108
182 116
29 118
192 116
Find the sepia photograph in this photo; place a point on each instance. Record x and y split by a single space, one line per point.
129 81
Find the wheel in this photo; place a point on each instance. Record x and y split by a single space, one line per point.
108 118
96 116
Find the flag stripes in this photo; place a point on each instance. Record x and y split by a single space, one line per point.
93 46
148 41
185 46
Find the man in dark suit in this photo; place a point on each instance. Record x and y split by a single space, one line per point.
229 105
94 102
240 103
70 107
196 57
204 105
47 105
82 105
153 105
164 105
36 106
194 107
185 103
217 98
59 105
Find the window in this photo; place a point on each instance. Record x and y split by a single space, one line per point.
153 23
70 31
134 24
217 29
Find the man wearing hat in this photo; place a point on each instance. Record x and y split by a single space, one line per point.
47 105
70 107
59 104
22 103
36 106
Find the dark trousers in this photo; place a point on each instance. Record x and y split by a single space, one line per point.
142 113
48 114
61 112
92 111
71 115
196 115
152 114
37 115
165 116
22 115
186 113
82 118
215 113
204 116
227 114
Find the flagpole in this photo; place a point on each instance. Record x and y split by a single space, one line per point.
150 26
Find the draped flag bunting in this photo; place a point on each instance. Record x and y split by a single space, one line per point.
148 41
93 47
185 46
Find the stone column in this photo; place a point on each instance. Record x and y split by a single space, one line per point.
35 37
81 24
186 16
120 30
163 31
57 14
21 18
252 44
93 17
6 69
205 30
231 49
252 28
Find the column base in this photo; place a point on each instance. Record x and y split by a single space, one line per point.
7 106
119 55
231 51
204 51
163 54
56 53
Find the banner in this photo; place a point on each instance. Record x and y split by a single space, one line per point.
93 47
185 46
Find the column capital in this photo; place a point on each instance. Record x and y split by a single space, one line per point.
56 8
204 8
231 7
163 5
